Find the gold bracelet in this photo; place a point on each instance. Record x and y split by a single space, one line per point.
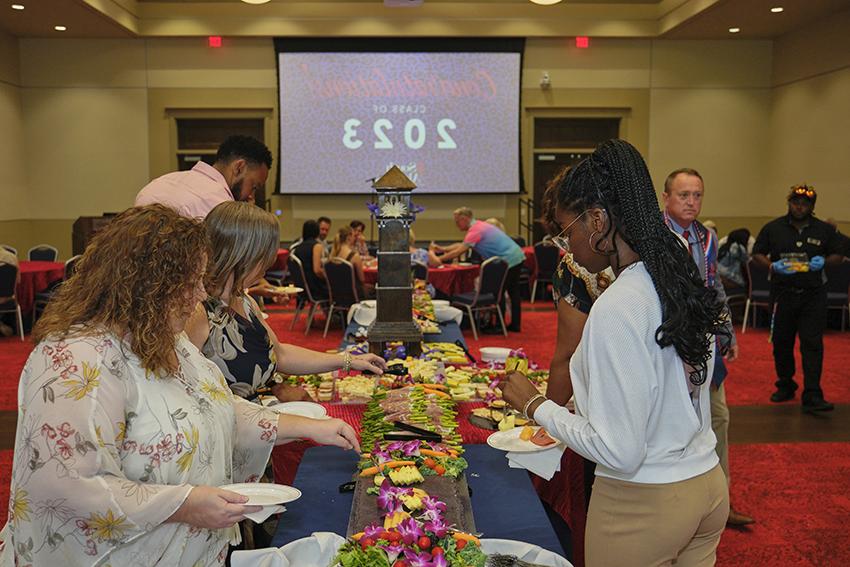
346 361
530 401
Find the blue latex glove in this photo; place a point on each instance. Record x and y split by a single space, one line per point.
816 263
782 267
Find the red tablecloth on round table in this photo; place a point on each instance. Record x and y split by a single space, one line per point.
282 258
451 279
529 261
35 277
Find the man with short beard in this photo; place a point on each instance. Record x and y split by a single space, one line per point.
795 248
241 168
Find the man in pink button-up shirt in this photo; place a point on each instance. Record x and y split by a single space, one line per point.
241 167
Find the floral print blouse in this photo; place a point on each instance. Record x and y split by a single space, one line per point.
106 452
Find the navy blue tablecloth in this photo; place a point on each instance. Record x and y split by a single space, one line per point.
504 502
449 333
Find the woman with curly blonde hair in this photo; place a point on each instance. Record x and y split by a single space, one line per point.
125 431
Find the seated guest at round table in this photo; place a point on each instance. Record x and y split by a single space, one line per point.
343 248
488 240
125 430
360 241
732 256
640 374
228 326
311 251
423 255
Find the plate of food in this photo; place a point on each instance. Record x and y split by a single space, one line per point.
264 493
288 289
304 409
526 439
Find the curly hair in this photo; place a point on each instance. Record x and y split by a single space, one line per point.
133 279
549 203
243 237
615 179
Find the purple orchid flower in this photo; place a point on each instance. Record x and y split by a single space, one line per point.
389 496
416 209
373 208
439 560
392 551
421 559
373 531
411 448
437 526
382 455
409 530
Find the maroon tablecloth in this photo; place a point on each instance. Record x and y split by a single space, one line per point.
35 277
450 279
282 258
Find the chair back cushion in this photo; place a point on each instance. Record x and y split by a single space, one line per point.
838 278
546 256
341 284
419 270
757 278
296 271
493 272
8 278
43 253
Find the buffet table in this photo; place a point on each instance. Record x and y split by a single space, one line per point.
449 279
504 502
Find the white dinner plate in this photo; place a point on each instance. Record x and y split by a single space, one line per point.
265 494
509 441
440 303
306 409
464 263
289 289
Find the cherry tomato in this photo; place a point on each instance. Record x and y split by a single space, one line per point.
440 470
400 563
424 542
391 537
460 544
437 550
366 542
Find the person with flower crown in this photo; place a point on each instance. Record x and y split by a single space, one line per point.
795 248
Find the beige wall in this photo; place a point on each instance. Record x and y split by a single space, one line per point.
810 118
95 120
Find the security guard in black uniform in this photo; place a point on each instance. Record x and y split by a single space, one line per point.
796 247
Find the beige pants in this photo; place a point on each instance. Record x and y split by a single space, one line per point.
720 425
648 525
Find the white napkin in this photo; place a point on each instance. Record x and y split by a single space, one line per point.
318 550
448 313
362 314
262 515
542 463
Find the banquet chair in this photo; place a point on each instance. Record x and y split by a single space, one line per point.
8 285
42 253
305 298
419 271
837 287
546 258
486 296
42 298
758 292
11 249
342 288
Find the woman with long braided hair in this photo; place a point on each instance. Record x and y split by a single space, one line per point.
639 374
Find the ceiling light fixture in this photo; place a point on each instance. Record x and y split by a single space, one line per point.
256 1
18 6
545 2
60 28
734 30
777 9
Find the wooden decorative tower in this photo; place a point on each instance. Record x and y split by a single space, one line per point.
394 320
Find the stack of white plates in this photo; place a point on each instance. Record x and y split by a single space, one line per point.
494 354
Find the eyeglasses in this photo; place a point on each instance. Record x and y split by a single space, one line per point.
804 190
562 241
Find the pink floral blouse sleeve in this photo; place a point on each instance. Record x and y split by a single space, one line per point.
254 435
71 502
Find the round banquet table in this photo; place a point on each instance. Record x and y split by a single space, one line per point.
450 279
280 263
35 277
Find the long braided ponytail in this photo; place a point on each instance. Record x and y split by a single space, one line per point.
615 179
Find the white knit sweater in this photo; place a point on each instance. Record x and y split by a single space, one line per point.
634 416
